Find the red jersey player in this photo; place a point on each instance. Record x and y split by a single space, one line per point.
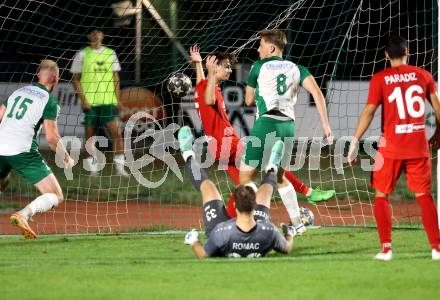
223 141
401 90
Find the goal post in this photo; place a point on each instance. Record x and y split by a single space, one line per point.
340 42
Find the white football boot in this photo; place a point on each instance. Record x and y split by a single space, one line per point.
385 256
435 254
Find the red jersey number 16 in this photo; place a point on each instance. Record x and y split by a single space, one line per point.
412 96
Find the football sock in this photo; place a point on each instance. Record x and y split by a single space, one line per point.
41 204
196 174
230 208
288 196
382 214
234 173
429 219
298 185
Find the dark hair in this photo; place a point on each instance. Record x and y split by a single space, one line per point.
396 46
222 56
244 199
274 36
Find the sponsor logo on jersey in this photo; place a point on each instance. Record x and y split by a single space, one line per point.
278 65
409 128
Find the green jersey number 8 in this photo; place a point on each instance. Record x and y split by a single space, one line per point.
281 84
22 109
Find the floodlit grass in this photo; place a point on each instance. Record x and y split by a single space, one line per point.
330 263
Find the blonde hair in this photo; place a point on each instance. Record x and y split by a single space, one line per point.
48 65
274 36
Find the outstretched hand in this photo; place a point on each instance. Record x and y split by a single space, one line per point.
353 151
194 51
191 237
68 162
328 134
211 64
288 231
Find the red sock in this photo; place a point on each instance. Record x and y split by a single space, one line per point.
230 208
382 214
234 174
429 219
298 185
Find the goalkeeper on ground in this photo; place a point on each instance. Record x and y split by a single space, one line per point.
251 234
223 140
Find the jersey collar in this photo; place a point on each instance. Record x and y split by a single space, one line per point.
40 86
271 58
251 230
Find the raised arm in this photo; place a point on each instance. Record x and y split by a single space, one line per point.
197 60
312 87
211 65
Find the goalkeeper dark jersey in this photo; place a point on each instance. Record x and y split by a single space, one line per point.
228 240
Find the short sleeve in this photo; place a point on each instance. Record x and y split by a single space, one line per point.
279 243
253 74
76 67
51 110
214 244
375 91
5 102
303 73
116 66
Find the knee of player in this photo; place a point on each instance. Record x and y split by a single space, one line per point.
60 196
209 191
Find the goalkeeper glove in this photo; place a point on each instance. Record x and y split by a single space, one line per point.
288 230
191 237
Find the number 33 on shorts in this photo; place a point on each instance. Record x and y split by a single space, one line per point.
211 214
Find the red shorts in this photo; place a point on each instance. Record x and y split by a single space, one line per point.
417 172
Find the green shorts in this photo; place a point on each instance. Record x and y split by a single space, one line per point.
267 130
100 115
30 165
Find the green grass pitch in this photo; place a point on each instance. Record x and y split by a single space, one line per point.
329 263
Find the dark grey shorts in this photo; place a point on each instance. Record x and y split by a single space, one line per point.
261 213
214 212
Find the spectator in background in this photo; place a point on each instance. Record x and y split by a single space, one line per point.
96 81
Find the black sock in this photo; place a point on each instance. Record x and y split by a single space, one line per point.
196 174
